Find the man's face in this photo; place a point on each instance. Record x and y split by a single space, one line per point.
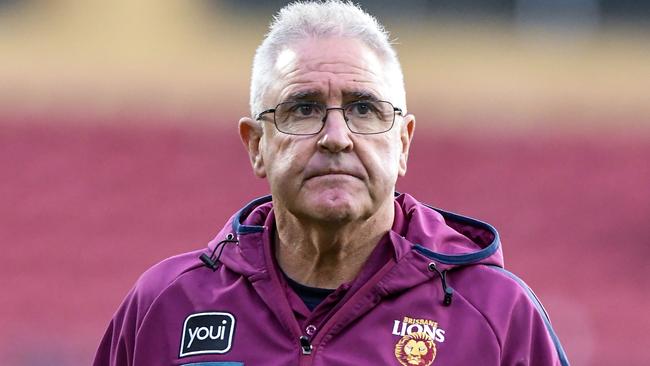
335 175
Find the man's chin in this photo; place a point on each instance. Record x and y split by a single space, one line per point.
336 209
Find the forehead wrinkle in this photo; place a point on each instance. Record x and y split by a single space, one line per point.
304 79
308 72
366 90
289 91
346 70
297 72
291 73
356 71
305 94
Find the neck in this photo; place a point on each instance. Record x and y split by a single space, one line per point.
327 254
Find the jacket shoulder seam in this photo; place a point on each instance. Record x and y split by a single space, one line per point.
487 320
539 308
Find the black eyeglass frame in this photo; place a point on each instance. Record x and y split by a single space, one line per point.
396 111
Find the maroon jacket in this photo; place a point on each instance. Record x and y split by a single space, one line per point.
433 292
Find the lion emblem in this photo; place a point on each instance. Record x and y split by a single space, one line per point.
415 349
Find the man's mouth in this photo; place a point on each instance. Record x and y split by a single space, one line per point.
332 173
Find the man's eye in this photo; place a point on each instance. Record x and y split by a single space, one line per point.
362 108
305 109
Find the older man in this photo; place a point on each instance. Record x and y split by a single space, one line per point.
333 268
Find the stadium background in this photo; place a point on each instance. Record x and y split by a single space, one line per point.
118 148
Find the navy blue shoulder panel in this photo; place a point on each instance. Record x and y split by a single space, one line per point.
238 227
540 308
468 258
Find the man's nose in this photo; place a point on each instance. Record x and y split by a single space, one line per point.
335 136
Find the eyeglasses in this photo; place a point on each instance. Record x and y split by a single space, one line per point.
366 117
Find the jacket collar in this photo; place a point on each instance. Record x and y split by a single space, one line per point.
446 238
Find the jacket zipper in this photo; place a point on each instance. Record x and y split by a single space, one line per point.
305 345
306 351
306 341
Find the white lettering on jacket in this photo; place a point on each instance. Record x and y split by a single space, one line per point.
402 328
202 333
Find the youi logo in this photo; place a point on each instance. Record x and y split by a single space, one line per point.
207 333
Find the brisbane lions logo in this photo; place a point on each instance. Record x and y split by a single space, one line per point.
415 349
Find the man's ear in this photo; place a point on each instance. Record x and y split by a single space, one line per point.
251 132
406 135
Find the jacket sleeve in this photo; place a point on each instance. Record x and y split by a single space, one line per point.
117 346
528 338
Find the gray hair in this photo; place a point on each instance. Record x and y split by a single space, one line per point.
301 20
